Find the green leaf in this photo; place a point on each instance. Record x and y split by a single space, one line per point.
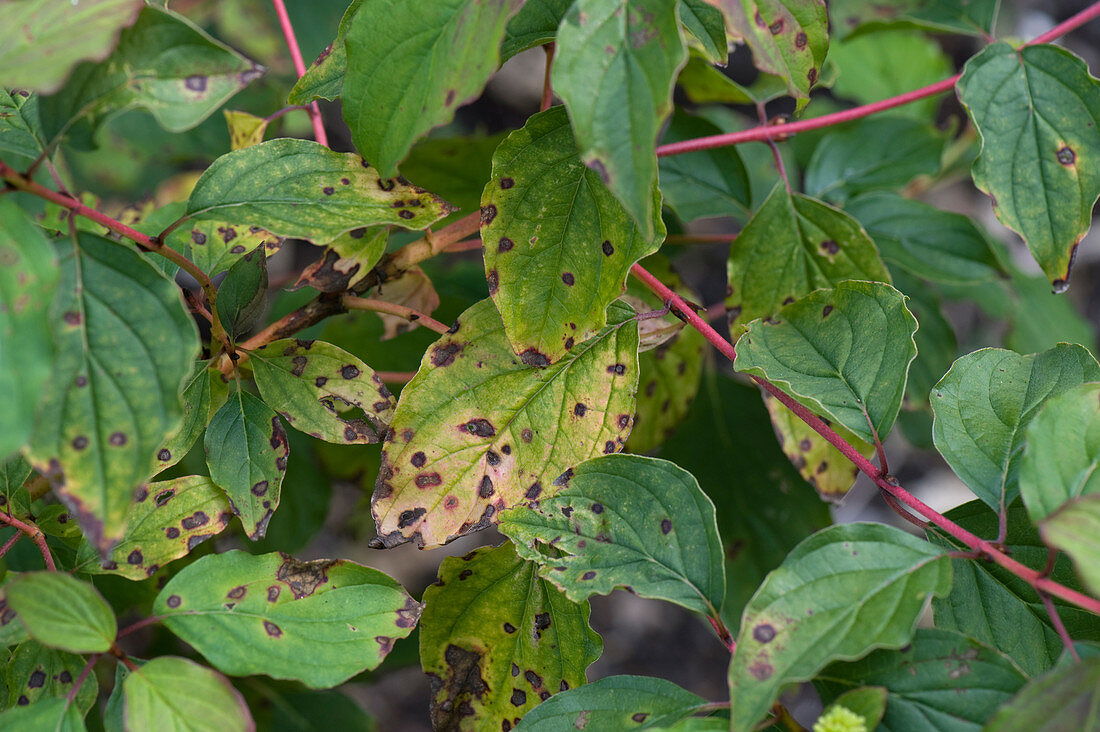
163 63
307 380
1075 529
1064 699
125 344
615 702
476 431
1041 319
926 241
52 37
936 345
882 153
319 622
28 277
704 84
942 682
705 183
56 715
788 38
292 710
14 498
626 521
984 404
35 673
558 245
62 612
246 451
176 693
615 66
203 395
324 79
876 66
845 353
706 23
243 293
496 640
534 24
299 188
168 520
998 608
20 131
12 631
844 591
972 17
431 59
792 246
1062 452
1037 110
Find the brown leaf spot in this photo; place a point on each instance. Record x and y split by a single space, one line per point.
428 480
80 442
589 575
805 444
776 28
567 278
534 358
505 244
299 365
485 488
351 371
173 601
406 214
195 82
445 355
624 421
608 249
609 447
639 717
488 213
273 593
822 467
418 459
811 76
761 670
1066 156
534 491
569 343
194 521
492 280
618 369
164 455
172 532
450 97
237 592
272 630
579 409
303 578
409 517
260 488
328 190
830 247
826 310
118 439
480 427
666 526
526 435
763 633
519 697
800 40
135 557
198 237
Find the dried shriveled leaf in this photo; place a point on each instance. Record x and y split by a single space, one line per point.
312 382
179 694
477 431
349 257
62 612
319 622
615 702
496 640
35 673
412 289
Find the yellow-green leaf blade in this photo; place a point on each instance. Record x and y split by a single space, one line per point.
62 612
1075 529
179 694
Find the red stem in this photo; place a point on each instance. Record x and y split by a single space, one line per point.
1070 23
300 68
547 92
1059 626
71 696
36 535
10 542
138 625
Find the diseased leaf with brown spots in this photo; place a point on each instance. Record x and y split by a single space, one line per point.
477 431
412 289
167 521
619 703
245 130
349 258
125 344
202 397
318 622
312 382
496 640
246 452
35 672
558 244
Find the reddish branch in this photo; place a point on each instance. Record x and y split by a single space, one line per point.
36 536
300 68
351 302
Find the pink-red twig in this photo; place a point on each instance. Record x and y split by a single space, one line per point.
300 68
1059 626
36 536
11 542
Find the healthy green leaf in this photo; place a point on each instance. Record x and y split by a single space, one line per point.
55 714
706 23
1037 110
203 395
936 346
496 640
324 79
302 189
125 344
28 277
843 352
35 673
615 702
1075 529
310 380
792 246
705 183
318 622
20 130
44 40
243 293
246 452
1064 699
841 593
179 694
626 521
876 66
431 59
534 24
477 431
62 612
788 38
558 245
942 682
168 520
984 404
704 84
615 66
973 17
881 153
1062 452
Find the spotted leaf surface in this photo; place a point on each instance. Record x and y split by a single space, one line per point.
626 521
842 592
62 612
246 452
477 431
35 673
176 693
203 395
349 257
164 64
317 622
324 79
54 37
28 277
167 521
243 293
615 702
245 130
311 382
973 17
1075 529
788 38
55 714
125 344
432 59
1037 110
496 640
845 353
984 404
792 246
558 245
302 189
615 65
20 131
